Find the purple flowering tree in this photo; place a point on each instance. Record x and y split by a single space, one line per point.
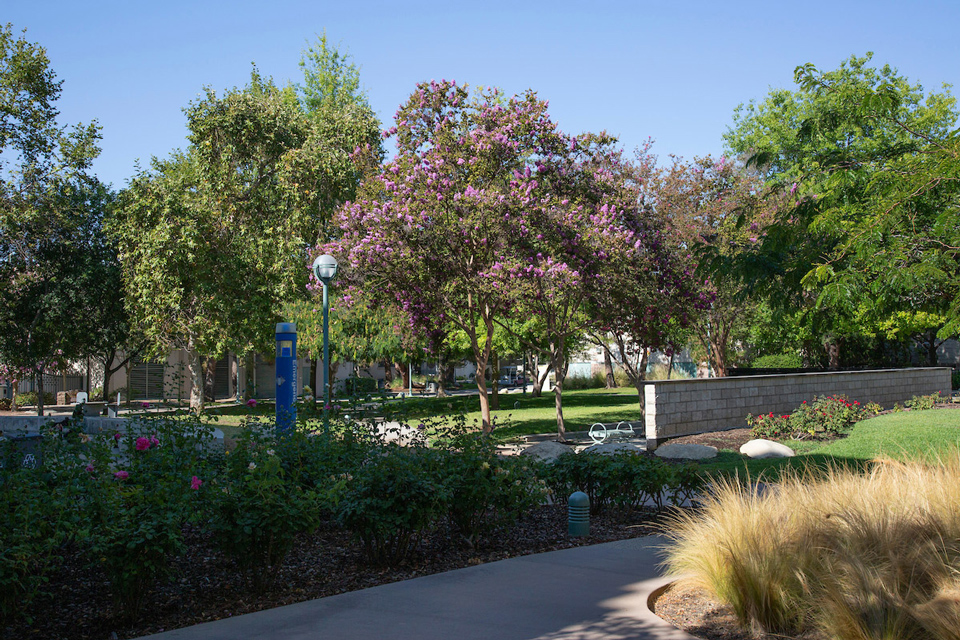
436 231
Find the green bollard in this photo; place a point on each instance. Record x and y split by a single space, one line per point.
578 521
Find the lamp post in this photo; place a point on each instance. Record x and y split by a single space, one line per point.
325 268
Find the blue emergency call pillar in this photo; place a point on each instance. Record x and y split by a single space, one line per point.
286 376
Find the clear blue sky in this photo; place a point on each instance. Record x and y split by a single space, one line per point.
669 70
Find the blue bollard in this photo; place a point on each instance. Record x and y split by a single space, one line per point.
286 376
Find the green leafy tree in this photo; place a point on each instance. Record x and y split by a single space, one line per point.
717 204
871 163
51 211
211 236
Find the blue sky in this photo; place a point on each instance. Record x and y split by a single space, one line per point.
669 70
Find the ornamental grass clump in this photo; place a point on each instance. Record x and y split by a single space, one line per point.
857 556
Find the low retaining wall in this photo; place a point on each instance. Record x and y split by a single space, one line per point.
25 432
674 408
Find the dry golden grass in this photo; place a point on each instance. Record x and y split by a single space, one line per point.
872 556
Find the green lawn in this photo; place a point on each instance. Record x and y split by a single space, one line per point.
519 414
898 435
523 415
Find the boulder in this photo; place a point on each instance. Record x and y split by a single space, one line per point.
686 451
546 451
766 449
613 448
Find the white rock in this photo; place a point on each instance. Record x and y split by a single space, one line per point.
766 449
546 451
686 451
613 448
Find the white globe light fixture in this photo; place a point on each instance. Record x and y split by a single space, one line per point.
325 269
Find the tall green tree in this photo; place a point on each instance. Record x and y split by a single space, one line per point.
870 162
348 146
51 213
212 240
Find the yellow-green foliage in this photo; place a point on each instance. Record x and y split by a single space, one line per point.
871 556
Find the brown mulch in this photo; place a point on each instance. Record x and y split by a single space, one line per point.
695 610
206 585
730 439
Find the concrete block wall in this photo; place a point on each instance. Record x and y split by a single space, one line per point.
674 408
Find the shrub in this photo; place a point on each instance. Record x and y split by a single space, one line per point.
484 490
621 378
778 361
358 386
256 511
922 403
29 398
596 381
391 500
769 426
659 372
136 535
825 416
625 480
6 404
29 536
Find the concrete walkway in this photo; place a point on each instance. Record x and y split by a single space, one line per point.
598 592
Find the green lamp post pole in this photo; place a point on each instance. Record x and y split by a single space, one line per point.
325 269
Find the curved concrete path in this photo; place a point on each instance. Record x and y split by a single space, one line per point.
597 592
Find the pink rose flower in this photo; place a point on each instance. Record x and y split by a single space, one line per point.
142 444
88 468
195 483
251 403
121 475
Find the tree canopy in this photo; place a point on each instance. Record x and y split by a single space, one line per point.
870 229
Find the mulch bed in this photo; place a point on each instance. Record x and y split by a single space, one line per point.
207 587
693 609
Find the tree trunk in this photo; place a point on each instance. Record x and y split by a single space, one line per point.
405 376
670 365
39 383
640 375
495 381
932 348
832 346
249 363
387 374
560 367
539 380
209 379
485 416
312 377
443 369
196 381
608 367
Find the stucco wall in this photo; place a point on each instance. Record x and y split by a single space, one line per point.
674 408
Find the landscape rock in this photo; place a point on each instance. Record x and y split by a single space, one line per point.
766 449
546 451
613 448
686 451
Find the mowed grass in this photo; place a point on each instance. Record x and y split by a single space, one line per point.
904 435
518 415
524 415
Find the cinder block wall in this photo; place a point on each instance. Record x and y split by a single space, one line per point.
674 408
